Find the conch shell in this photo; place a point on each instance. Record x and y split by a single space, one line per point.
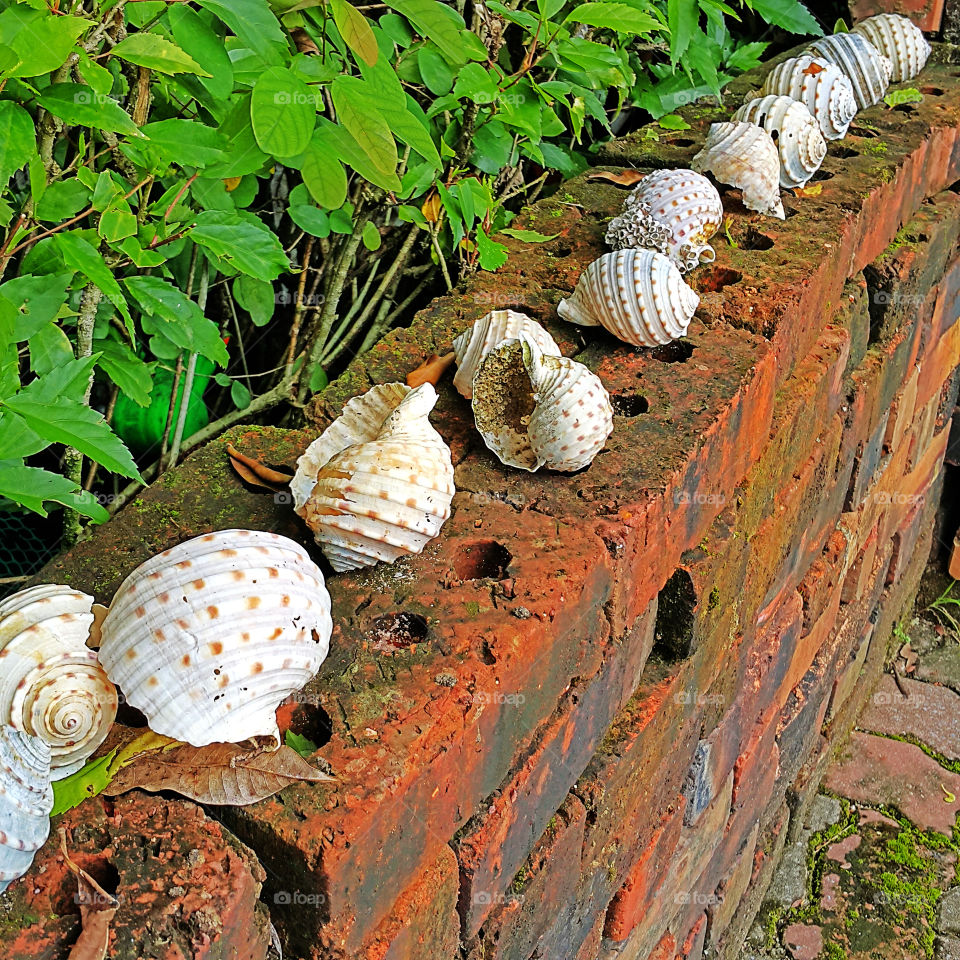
535 410
675 212
378 483
208 638
822 87
638 295
51 685
900 40
745 156
867 68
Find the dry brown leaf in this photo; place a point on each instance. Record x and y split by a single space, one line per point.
305 43
814 190
255 472
97 908
99 611
231 183
431 208
222 773
625 179
431 370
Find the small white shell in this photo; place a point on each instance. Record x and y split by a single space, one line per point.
489 332
822 87
51 685
799 142
638 295
534 410
745 156
378 483
26 799
675 212
867 68
900 40
208 638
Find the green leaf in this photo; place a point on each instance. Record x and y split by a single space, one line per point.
63 199
789 14
350 152
256 297
355 30
17 139
283 112
528 236
83 106
318 379
117 224
410 126
193 34
475 82
68 380
614 16
371 236
492 255
41 43
83 257
683 17
240 395
49 349
309 219
306 748
363 121
32 487
89 781
255 25
125 369
323 173
243 241
39 299
673 121
156 53
186 142
909 95
437 74
433 21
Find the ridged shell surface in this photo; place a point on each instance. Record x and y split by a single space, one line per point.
675 212
745 156
208 638
799 142
900 40
381 497
26 799
822 87
51 685
866 67
638 295
489 332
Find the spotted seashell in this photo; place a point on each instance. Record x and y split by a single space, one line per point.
638 295
745 156
866 67
488 332
208 638
900 40
799 142
672 211
26 799
378 483
51 685
822 87
536 410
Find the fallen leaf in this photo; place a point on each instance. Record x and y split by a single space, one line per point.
99 611
431 370
814 190
948 797
431 208
909 655
627 178
255 472
97 908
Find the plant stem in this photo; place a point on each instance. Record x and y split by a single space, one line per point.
298 307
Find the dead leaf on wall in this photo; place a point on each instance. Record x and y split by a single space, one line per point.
626 178
97 908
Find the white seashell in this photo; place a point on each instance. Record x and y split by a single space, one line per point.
208 638
799 142
900 40
51 685
379 481
26 799
822 87
638 295
488 332
866 67
672 211
745 156
535 410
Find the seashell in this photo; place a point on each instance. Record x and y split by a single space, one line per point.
638 295
536 410
51 685
378 483
865 66
26 799
822 87
488 332
672 211
799 142
207 638
900 40
745 156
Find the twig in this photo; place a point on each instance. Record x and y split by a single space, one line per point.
298 307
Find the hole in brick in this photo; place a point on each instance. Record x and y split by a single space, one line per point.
755 240
676 351
398 630
629 405
865 132
682 142
931 91
905 107
714 279
843 153
673 633
481 560
101 869
561 250
822 174
310 720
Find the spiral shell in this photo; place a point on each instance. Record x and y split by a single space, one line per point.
378 483
672 211
26 799
900 40
799 142
208 638
822 87
745 156
638 295
535 410
488 332
51 685
866 67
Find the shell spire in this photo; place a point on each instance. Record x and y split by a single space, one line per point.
822 87
868 70
900 40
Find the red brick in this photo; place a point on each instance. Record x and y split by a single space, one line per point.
926 14
693 943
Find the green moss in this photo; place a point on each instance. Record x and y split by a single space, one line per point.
472 608
876 147
833 951
714 600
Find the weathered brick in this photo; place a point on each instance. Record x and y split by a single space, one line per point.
926 14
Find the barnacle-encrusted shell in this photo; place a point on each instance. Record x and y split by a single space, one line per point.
488 332
745 156
51 685
899 39
639 295
672 211
822 87
534 410
208 638
867 68
26 799
798 138
378 483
